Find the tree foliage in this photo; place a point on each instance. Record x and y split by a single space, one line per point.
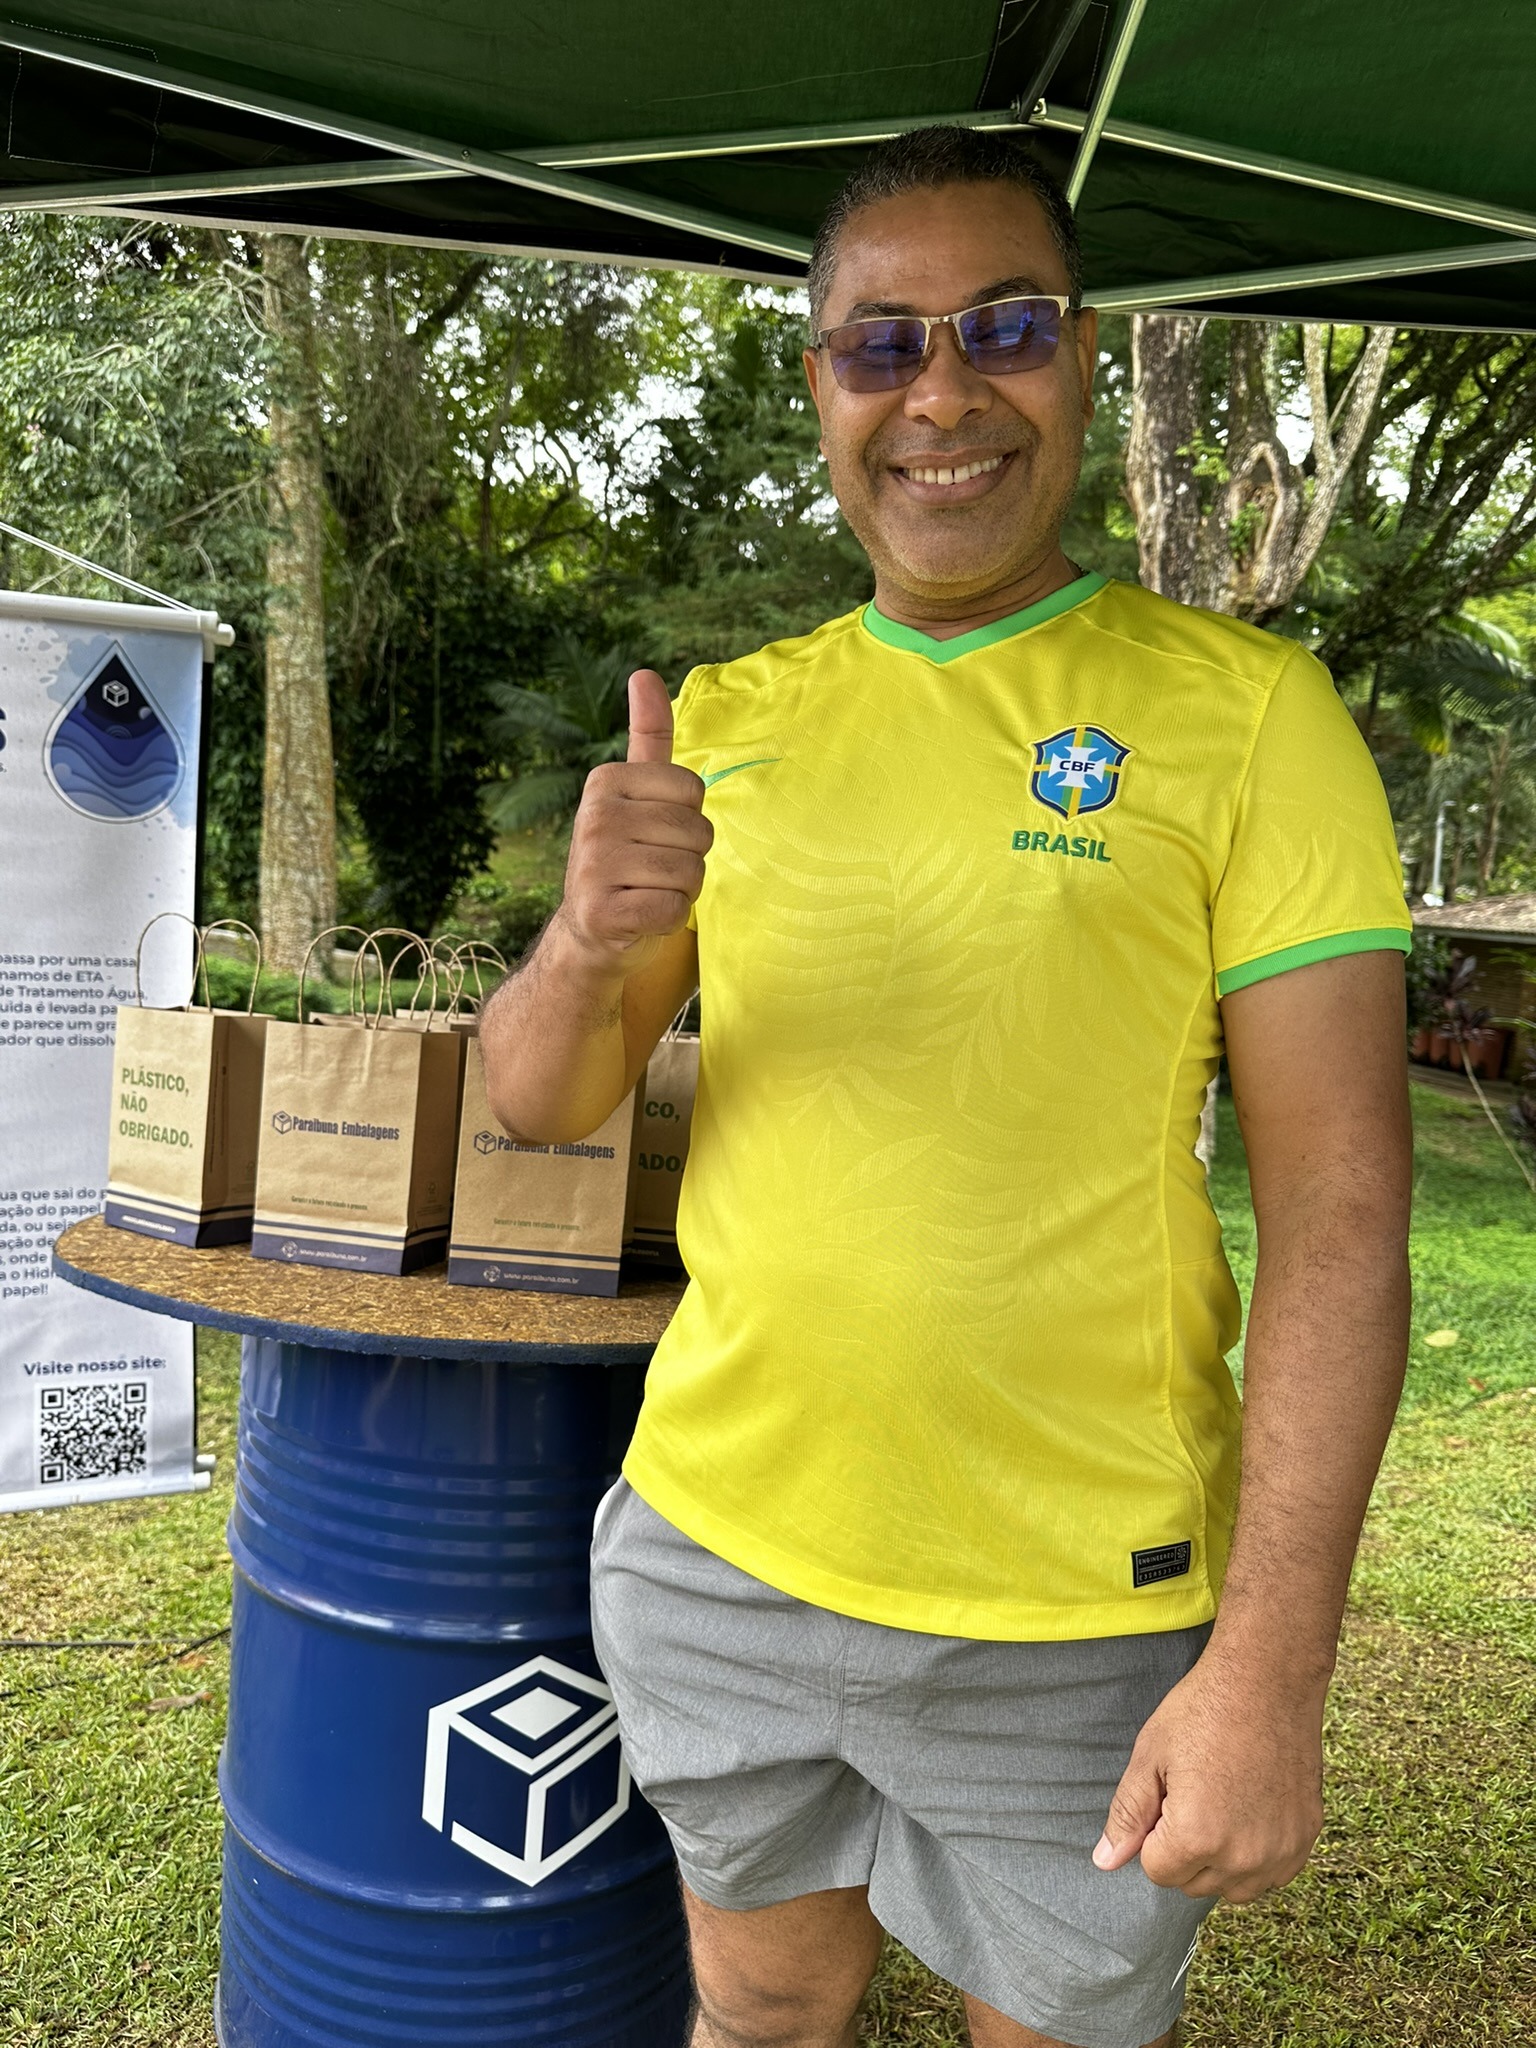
578 720
537 473
131 431
735 539
476 423
1373 493
1442 507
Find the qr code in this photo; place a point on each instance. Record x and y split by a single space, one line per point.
92 1432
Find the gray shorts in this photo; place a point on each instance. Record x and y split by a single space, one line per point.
792 1750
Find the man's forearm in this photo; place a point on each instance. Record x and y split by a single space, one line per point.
552 1038
1223 1793
1330 1156
1323 1369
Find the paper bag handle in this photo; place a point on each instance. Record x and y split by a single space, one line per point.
330 932
446 948
233 924
199 968
469 957
675 1028
413 943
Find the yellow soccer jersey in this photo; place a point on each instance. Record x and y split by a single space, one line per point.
952 1356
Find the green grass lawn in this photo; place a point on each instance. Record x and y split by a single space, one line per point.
1415 1926
531 859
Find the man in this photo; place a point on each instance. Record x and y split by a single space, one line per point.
907 1597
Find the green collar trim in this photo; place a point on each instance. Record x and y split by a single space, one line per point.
912 642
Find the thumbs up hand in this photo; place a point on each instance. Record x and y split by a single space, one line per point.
650 718
637 848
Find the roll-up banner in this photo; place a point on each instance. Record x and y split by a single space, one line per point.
100 742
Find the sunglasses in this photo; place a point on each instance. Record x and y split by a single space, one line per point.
997 339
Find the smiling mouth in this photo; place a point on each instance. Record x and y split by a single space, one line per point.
950 474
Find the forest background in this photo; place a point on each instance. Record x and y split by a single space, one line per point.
448 501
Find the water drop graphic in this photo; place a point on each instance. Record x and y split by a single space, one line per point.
111 755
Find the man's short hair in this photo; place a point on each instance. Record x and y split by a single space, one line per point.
924 159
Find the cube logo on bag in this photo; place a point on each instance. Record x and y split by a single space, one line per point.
534 1756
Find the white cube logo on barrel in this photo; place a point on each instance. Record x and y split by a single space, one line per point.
532 1758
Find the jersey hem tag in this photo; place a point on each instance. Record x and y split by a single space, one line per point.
1167 1561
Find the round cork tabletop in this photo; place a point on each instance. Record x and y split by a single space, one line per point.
417 1316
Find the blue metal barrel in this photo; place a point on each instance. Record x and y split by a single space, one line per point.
431 1833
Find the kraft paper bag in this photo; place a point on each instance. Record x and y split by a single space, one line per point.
545 1218
186 1113
661 1147
358 1133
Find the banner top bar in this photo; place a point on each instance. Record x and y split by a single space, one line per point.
142 618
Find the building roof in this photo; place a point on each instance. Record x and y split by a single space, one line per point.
1512 918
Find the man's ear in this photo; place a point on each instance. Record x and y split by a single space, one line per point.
812 361
1086 324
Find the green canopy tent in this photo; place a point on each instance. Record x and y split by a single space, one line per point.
1372 162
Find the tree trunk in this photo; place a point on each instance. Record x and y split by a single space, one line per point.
492 453
1498 771
1205 1142
1249 541
1167 414
1264 523
1372 704
298 812
1458 851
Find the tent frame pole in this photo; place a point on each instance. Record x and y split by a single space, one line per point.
1290 171
1194 291
678 149
1033 94
398 170
414 158
759 141
462 158
79 198
1070 120
1103 99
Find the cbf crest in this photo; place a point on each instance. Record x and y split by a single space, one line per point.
1078 770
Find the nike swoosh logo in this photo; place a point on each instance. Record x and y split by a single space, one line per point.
763 761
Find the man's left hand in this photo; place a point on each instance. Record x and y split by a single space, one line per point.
1223 1794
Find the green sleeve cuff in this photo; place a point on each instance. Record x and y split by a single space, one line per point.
1379 939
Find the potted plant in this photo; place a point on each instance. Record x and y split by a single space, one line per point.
1442 1012
1436 976
1483 1047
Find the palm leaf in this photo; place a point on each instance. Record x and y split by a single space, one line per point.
532 798
590 686
1457 678
521 713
